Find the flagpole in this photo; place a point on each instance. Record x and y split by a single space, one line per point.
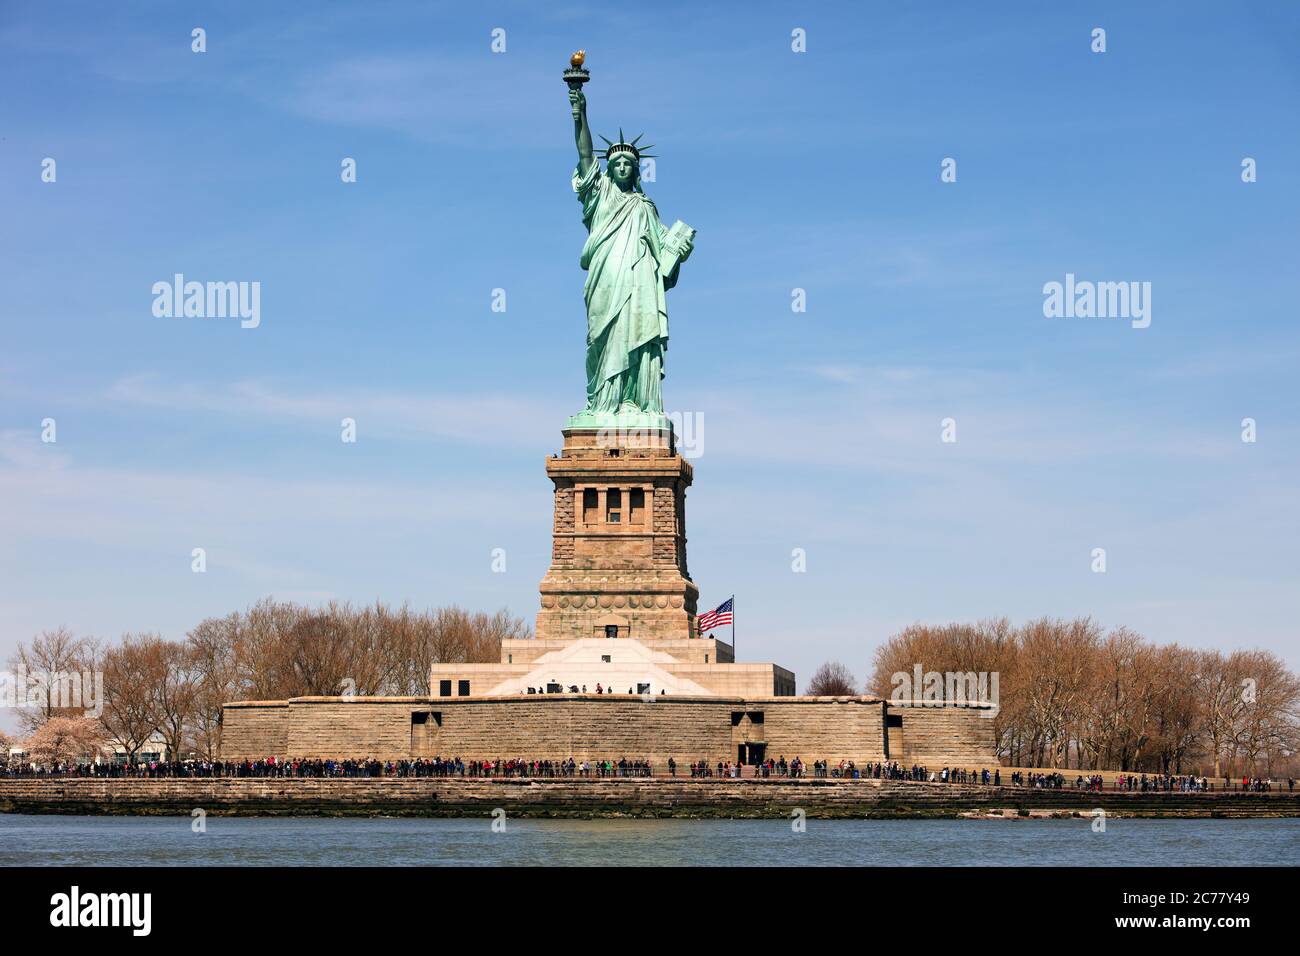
733 629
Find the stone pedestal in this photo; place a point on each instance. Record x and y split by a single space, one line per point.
618 555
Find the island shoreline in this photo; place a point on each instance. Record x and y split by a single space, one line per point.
644 798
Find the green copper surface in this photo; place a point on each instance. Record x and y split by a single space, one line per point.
631 260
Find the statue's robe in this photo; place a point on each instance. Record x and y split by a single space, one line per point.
627 317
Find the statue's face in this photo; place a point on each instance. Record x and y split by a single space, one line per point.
622 170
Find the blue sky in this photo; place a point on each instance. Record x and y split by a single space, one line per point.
821 429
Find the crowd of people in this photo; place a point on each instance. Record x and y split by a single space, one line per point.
1187 783
1162 783
767 768
1151 783
1038 781
519 767
893 770
318 767
575 689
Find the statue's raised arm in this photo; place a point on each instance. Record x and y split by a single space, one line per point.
581 131
574 78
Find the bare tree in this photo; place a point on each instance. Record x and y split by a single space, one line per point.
1176 711
263 650
178 693
832 679
133 673
213 650
1267 725
453 635
1221 683
335 650
1114 727
275 650
48 662
1113 702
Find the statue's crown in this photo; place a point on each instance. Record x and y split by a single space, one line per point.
623 146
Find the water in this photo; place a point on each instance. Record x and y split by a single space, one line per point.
243 841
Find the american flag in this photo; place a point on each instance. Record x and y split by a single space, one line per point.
718 617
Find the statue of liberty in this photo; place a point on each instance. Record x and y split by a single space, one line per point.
631 260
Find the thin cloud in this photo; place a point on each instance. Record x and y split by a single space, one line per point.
496 419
